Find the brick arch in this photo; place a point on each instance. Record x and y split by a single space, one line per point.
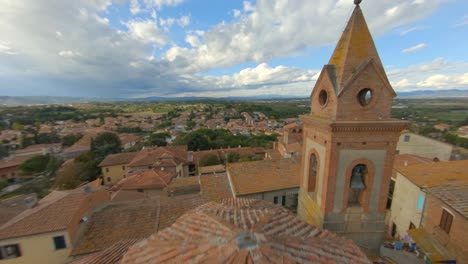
364 198
308 184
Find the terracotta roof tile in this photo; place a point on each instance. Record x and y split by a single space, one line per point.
268 175
215 187
146 179
110 255
243 232
54 212
212 169
118 159
454 194
136 219
436 173
150 156
404 160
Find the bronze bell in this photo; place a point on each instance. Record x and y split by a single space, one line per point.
357 182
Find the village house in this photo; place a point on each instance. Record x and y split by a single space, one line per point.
290 143
444 230
142 184
115 167
412 182
170 158
46 232
275 181
410 143
39 149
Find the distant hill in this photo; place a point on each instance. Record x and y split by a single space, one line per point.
453 93
44 100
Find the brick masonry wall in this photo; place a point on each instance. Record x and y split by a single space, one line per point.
457 237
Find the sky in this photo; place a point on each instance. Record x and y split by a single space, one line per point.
218 48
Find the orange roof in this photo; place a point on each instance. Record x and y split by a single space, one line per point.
135 219
150 156
54 212
147 179
243 231
354 48
212 169
118 159
290 126
268 175
436 173
454 194
215 187
404 160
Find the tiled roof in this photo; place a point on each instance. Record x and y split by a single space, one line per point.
181 186
146 179
110 255
136 219
212 169
454 194
118 159
54 212
436 173
15 161
215 187
290 126
11 207
221 153
404 160
150 156
248 231
268 175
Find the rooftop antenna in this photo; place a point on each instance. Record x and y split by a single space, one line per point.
357 2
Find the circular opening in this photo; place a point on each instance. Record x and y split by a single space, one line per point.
365 96
323 97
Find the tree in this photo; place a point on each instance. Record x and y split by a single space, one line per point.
4 151
34 165
17 126
209 160
190 124
158 139
194 141
233 157
69 140
104 144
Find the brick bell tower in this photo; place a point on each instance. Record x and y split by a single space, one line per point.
349 141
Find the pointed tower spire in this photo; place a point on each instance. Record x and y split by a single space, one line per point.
354 48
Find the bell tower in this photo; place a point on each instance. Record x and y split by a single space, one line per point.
350 141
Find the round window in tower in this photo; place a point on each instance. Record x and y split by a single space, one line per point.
365 96
323 97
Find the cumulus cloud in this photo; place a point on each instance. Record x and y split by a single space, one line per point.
272 29
146 31
415 48
69 53
183 21
433 75
92 57
6 49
